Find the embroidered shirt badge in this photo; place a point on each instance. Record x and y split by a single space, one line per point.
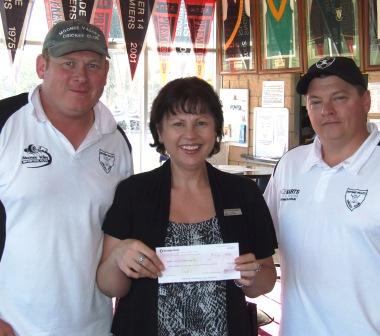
354 198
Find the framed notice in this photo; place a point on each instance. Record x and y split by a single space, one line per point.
273 94
235 112
271 130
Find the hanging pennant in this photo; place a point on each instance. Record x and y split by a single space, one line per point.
135 16
15 15
78 10
182 35
54 12
165 17
103 17
200 15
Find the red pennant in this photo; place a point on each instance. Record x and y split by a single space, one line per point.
103 17
135 16
200 16
15 16
78 10
165 17
54 12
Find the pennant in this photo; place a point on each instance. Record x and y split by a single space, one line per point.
182 35
15 15
54 12
103 17
165 17
135 17
78 9
200 15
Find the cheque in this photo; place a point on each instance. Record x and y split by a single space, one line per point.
198 262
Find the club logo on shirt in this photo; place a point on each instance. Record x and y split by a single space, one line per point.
107 160
289 194
355 197
36 156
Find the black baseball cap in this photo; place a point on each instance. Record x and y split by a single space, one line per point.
342 67
74 35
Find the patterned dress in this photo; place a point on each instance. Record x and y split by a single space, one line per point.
192 308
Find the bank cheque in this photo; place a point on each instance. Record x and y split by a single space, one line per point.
198 262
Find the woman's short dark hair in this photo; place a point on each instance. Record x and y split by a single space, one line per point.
189 95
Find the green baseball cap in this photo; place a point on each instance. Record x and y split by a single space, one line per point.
74 35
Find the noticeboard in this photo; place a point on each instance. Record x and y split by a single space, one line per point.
271 131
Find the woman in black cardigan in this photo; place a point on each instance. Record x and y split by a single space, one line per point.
185 202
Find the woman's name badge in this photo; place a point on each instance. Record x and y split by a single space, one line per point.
232 212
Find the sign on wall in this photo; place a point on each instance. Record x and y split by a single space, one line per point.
271 137
235 111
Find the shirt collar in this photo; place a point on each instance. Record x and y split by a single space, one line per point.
314 156
104 121
354 163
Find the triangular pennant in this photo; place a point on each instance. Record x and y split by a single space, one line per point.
54 12
15 16
103 17
79 9
135 16
165 17
200 15
182 35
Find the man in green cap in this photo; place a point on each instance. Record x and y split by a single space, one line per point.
62 156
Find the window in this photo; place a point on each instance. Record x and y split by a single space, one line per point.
129 100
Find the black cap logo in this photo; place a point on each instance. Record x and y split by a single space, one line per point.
325 62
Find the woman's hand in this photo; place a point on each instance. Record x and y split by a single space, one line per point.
122 261
257 276
249 267
137 260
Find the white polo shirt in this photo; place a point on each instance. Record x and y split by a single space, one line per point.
327 221
56 198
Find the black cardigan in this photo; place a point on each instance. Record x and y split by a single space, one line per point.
141 211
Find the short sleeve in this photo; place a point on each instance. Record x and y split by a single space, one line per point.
271 198
262 229
118 218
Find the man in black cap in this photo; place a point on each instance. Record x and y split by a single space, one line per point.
62 156
324 199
